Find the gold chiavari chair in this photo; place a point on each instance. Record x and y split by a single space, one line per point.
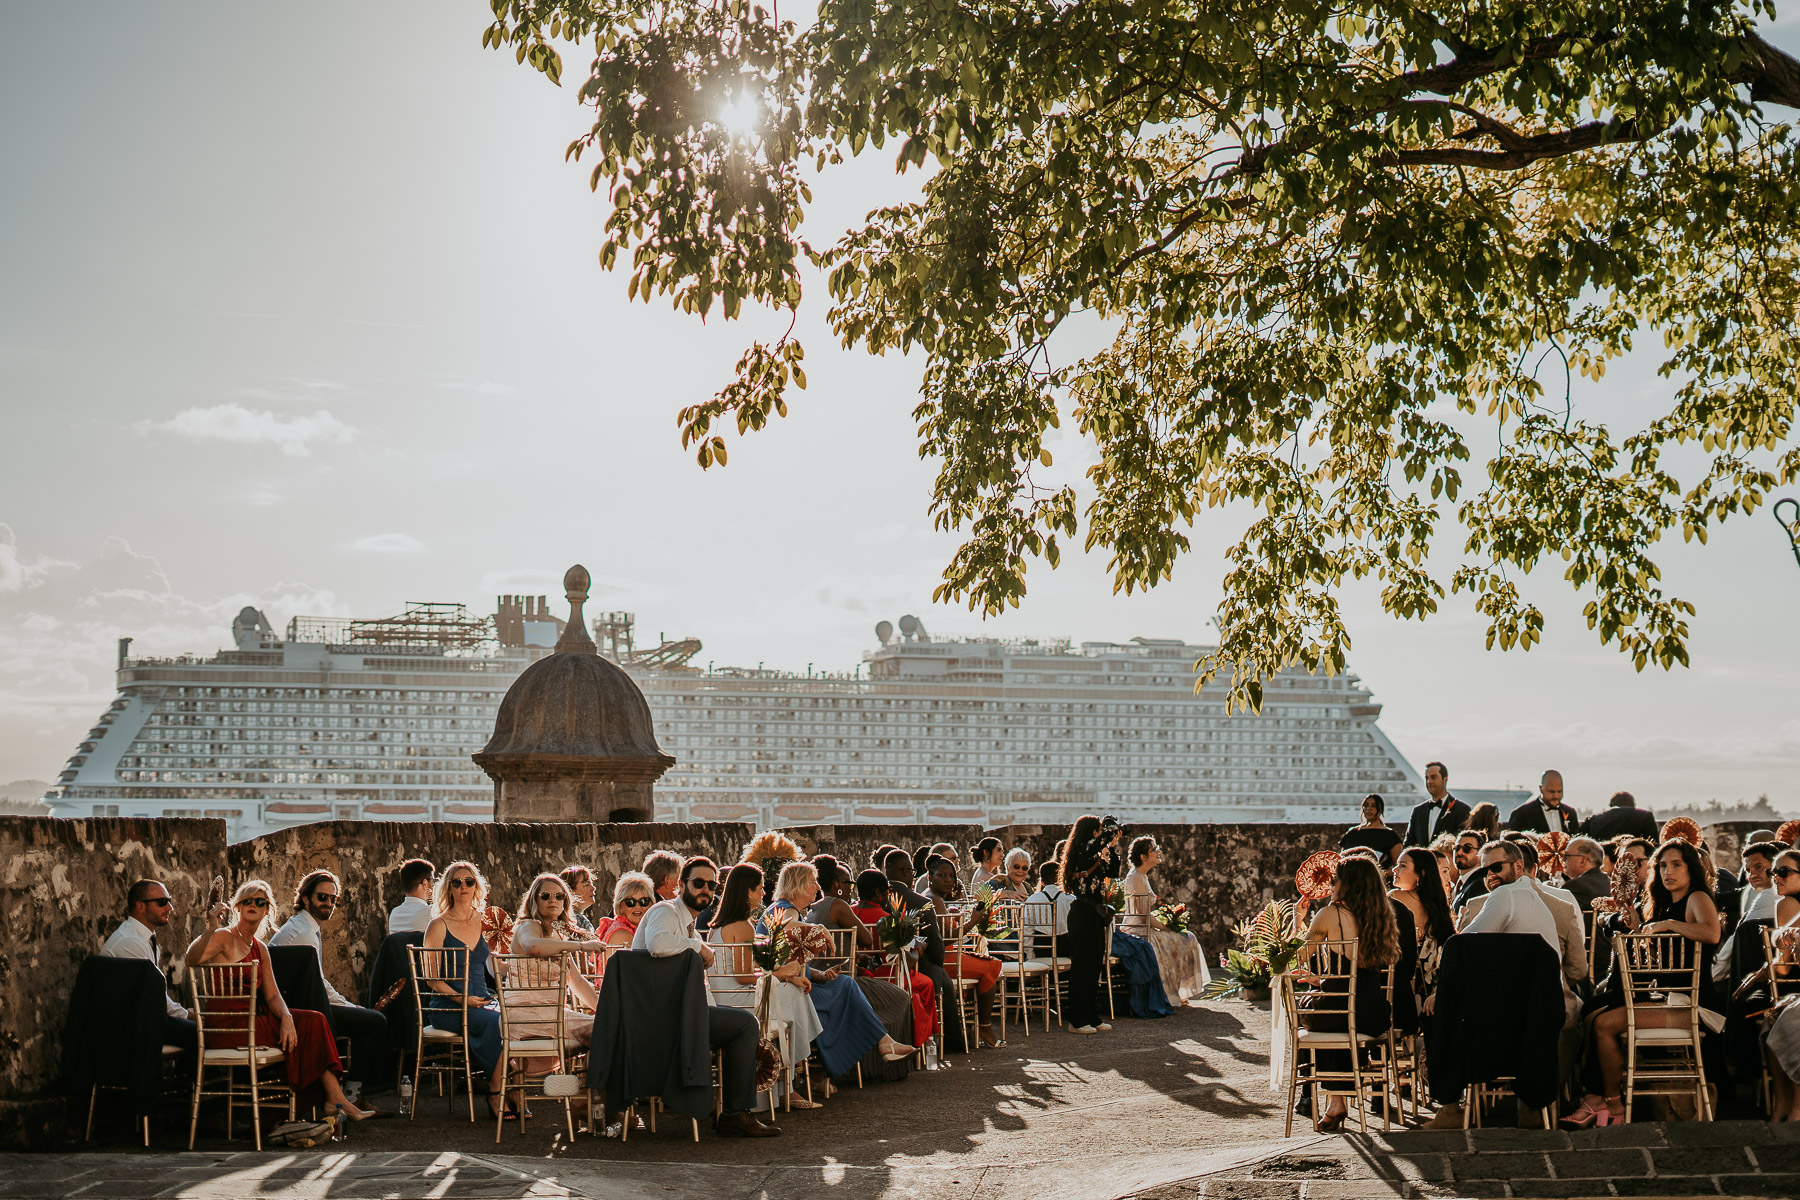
1331 1001
1009 937
1780 988
1040 918
226 998
734 959
1661 975
843 958
533 997
959 939
441 1053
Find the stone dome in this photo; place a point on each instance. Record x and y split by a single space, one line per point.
573 704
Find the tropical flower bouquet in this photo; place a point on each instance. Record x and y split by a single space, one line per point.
772 951
1173 917
1270 942
897 931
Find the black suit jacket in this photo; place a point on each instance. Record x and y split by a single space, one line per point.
117 1011
1533 816
1588 888
1611 822
1428 821
650 1033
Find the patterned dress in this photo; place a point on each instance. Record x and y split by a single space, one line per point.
1178 955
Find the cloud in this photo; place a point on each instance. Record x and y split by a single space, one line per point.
232 422
484 388
387 543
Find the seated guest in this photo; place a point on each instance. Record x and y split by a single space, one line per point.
1760 897
311 1067
918 880
945 851
1546 812
544 929
1049 892
1784 1026
1621 815
1374 832
1419 887
930 962
1755 836
633 895
1584 876
1677 902
413 913
1484 822
460 904
880 855
1471 880
1443 848
1571 934
851 1027
983 970
1014 880
667 930
148 908
1358 911
870 908
730 936
664 870
986 859
1178 955
580 883
315 903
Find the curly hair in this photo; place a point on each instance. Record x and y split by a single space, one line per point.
1359 893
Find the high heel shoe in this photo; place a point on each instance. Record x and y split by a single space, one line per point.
1584 1116
1606 1116
1331 1122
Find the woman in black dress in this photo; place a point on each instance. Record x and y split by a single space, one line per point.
1359 909
1374 833
1090 863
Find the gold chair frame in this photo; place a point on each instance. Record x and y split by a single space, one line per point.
1334 959
534 990
218 987
1017 966
1665 965
449 1049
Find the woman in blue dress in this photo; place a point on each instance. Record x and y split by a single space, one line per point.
850 1027
459 903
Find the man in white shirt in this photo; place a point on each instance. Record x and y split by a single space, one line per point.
1049 892
148 908
667 930
413 914
1564 909
315 902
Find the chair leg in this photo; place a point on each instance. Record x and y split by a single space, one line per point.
255 1106
194 1113
93 1097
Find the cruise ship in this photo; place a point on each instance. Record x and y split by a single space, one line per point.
341 719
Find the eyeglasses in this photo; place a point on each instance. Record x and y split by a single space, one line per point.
1496 868
556 896
254 902
461 882
1777 872
159 901
325 898
636 902
704 885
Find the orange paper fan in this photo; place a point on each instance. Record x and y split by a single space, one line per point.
1550 847
1788 832
1315 876
1684 828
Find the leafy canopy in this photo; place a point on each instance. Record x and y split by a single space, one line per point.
1305 225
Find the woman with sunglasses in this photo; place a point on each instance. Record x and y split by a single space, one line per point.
459 903
311 1064
545 928
632 897
1784 1029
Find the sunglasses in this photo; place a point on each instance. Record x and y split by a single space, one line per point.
556 896
636 902
461 882
1777 872
255 902
324 898
704 885
1496 868
160 901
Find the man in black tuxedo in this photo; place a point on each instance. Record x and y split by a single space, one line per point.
1471 877
1622 815
1546 813
1443 813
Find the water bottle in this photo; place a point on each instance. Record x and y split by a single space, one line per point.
336 1121
406 1095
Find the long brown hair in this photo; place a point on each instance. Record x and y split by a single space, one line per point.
1359 893
529 911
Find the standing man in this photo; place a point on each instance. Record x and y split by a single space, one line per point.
413 914
148 908
1547 813
315 902
1622 815
1443 813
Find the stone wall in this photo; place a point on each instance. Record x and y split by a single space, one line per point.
62 891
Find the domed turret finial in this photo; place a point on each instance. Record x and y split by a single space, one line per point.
575 639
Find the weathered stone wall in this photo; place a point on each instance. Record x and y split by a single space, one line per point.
853 844
62 891
366 857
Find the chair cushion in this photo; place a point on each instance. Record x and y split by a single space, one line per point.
1024 968
241 1056
1059 962
1664 1036
1317 1037
432 1033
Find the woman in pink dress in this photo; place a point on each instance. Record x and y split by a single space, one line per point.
304 1036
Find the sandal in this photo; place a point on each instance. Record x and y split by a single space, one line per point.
1584 1116
1330 1123
1606 1116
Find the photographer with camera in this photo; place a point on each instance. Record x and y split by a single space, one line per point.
1089 866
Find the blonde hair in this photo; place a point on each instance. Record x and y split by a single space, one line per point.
797 879
528 909
440 891
249 886
629 883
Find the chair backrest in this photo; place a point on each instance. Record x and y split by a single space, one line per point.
1780 986
1659 969
533 990
448 965
225 998
1333 962
843 950
730 960
1007 932
1039 920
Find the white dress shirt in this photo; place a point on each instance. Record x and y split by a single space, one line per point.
411 915
301 930
1052 894
132 940
666 930
1515 908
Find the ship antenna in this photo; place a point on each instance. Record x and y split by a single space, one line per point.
575 639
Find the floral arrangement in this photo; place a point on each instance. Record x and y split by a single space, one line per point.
897 930
1174 917
1115 895
1625 888
1550 847
1684 828
772 951
1789 832
1270 941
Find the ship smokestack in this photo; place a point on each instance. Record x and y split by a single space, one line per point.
124 649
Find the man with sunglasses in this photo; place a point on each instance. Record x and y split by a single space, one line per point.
667 930
316 902
1471 880
148 908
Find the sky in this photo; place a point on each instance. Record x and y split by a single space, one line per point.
300 308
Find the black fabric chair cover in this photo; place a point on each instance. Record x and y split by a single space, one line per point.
1499 1013
650 1033
392 966
299 978
114 1035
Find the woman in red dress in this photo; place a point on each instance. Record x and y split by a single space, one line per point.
303 1035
